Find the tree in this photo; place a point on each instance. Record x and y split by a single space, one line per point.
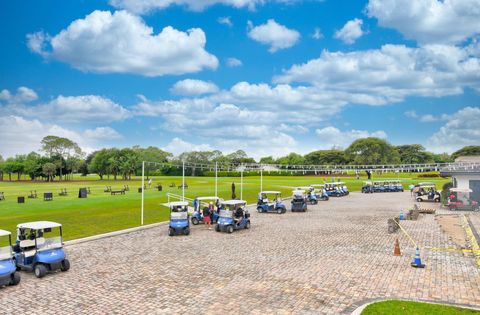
442 158
325 157
238 157
61 147
151 154
33 165
49 170
467 151
1 167
371 150
99 163
414 154
267 160
291 159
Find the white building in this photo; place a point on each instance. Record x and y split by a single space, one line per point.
466 174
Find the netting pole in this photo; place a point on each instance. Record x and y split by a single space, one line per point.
241 183
216 180
261 179
183 181
143 189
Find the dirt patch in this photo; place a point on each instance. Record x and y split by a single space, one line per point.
452 226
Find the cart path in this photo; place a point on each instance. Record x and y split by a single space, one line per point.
321 261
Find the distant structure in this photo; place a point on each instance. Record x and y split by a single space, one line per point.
465 176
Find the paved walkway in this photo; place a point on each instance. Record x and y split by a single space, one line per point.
321 261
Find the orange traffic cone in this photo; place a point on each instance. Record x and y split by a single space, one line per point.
396 251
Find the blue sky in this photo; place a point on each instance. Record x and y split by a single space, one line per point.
268 77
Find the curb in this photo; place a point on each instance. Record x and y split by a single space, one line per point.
357 308
473 240
115 233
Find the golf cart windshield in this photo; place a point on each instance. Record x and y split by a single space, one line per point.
5 248
179 213
49 243
226 213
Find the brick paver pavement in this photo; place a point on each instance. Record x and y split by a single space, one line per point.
321 261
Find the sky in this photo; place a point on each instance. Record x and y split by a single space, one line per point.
269 77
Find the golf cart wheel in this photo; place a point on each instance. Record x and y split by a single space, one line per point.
65 265
279 210
217 228
437 200
186 231
40 271
195 221
419 199
171 232
260 210
247 226
229 229
15 278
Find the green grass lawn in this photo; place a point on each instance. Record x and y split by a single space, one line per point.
101 212
413 308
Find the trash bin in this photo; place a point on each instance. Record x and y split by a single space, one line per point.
140 189
21 199
160 188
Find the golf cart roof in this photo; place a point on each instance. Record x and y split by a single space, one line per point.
234 202
464 190
4 233
270 192
317 185
178 203
298 192
368 183
426 184
38 225
208 198
304 187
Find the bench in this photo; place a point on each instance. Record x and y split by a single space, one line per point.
159 187
2 196
116 192
63 192
172 185
108 189
33 194
182 186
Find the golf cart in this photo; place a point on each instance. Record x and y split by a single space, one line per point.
38 250
333 190
367 188
459 199
299 201
311 196
197 216
320 192
233 216
343 188
179 223
8 270
264 205
426 193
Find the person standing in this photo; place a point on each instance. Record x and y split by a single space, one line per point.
150 183
211 208
206 217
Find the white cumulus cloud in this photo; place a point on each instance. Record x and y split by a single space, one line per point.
350 32
333 137
24 94
189 87
234 62
122 43
275 35
461 129
225 20
429 21
102 133
177 146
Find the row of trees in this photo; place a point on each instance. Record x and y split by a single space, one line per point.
64 157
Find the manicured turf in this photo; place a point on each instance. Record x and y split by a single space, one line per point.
413 308
101 212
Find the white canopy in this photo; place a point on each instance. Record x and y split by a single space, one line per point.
38 225
304 187
270 192
207 198
234 202
178 203
4 233
298 192
317 185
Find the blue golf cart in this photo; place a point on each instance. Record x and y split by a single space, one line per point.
299 203
264 205
320 192
311 196
39 248
233 216
343 188
333 190
8 270
367 187
179 223
197 215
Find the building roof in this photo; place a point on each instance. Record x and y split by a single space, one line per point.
462 168
468 158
